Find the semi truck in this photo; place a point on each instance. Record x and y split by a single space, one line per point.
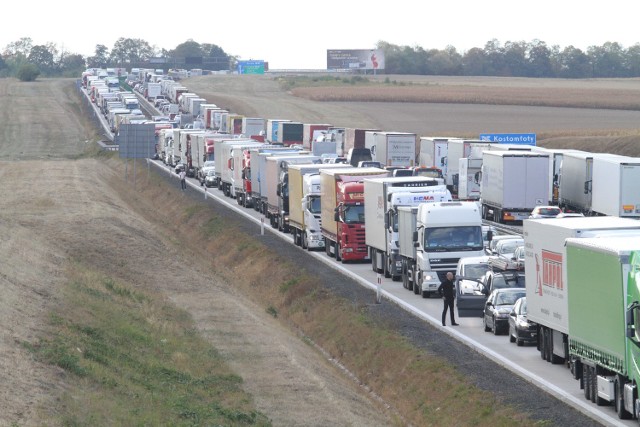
310 132
441 233
433 153
545 273
304 204
253 126
237 166
469 178
459 149
272 129
513 183
382 197
222 149
615 186
277 180
342 211
603 289
290 133
392 148
257 164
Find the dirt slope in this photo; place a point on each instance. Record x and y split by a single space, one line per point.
54 211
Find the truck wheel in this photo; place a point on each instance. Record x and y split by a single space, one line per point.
405 276
619 398
587 382
337 252
304 243
385 266
543 343
327 247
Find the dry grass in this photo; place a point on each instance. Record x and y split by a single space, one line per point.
460 94
421 387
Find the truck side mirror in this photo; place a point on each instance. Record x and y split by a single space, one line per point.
415 236
587 187
490 235
336 214
279 190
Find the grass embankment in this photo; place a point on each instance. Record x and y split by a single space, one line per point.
425 389
134 359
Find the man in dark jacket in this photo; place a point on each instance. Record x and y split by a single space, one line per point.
447 290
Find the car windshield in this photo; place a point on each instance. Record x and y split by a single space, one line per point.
314 204
209 164
211 172
508 281
549 211
475 270
508 298
509 247
466 238
354 214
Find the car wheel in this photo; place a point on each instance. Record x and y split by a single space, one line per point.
512 337
484 321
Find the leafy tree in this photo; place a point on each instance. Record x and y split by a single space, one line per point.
18 48
474 62
540 60
573 63
100 57
631 61
187 49
73 65
3 64
42 58
28 72
128 51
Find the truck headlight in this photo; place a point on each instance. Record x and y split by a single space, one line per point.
347 250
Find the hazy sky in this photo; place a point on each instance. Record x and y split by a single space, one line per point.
294 34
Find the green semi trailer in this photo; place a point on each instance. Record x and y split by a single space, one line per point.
603 279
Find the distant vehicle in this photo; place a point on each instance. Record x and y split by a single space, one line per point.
545 212
210 178
518 257
498 308
506 248
209 165
520 330
494 241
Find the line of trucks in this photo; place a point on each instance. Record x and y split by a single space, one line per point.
507 180
583 296
582 274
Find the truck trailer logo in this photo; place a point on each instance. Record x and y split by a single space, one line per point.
551 275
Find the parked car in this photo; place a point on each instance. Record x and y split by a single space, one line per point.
204 170
498 308
545 212
494 241
518 257
520 330
506 248
499 279
210 178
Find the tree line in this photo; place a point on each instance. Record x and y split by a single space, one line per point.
511 59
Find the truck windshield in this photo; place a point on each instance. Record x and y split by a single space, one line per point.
354 214
443 239
314 204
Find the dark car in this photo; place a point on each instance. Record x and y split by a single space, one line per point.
520 330
498 308
499 279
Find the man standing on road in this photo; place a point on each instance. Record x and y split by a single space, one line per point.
183 179
446 289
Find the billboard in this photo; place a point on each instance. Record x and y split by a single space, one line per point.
251 67
355 59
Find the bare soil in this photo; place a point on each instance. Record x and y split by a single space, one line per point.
56 208
54 211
